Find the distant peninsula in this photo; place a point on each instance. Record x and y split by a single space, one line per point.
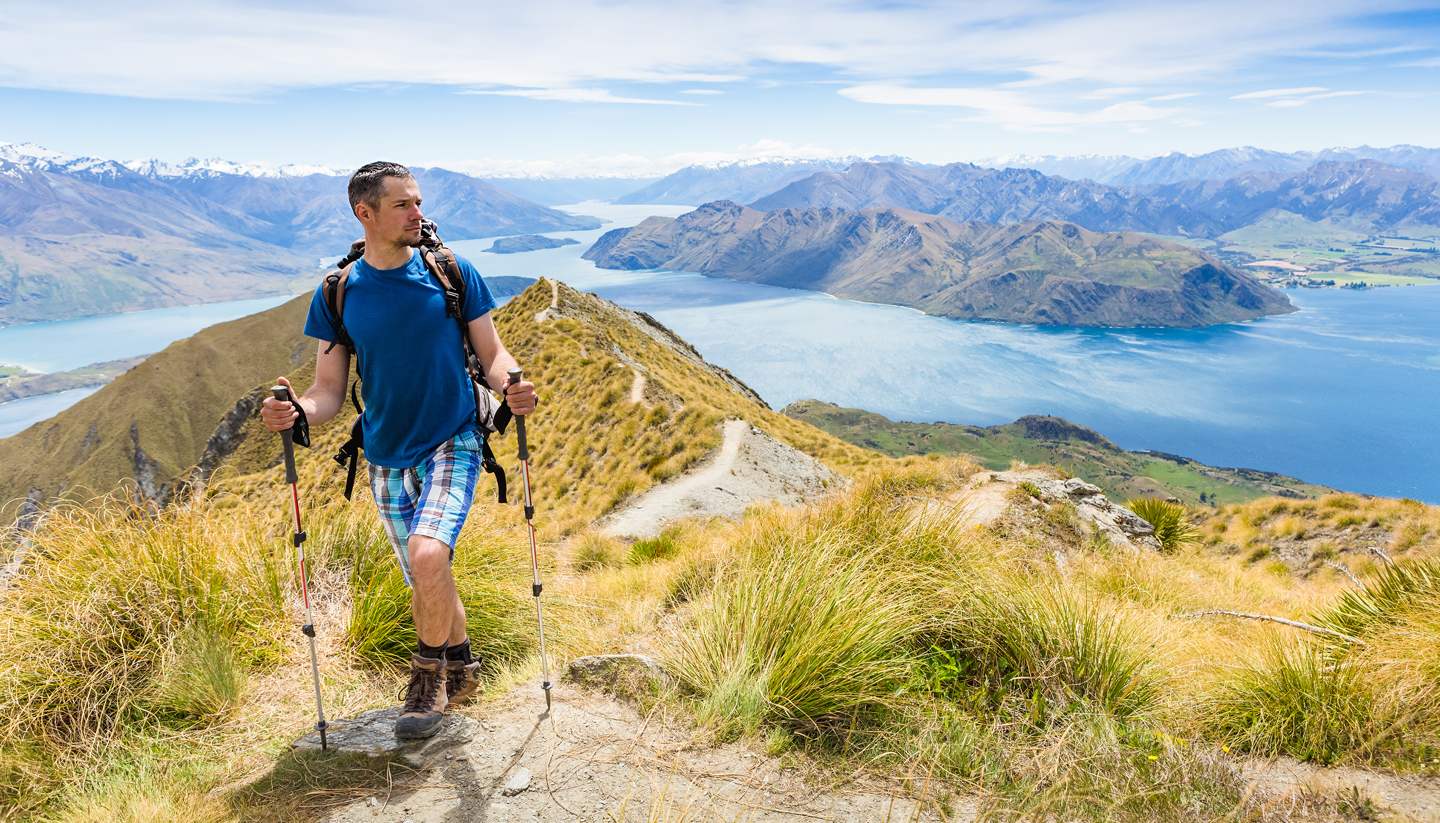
1047 273
528 242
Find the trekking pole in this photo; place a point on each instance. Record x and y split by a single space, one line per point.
535 587
283 395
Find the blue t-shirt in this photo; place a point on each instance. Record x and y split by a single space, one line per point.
413 381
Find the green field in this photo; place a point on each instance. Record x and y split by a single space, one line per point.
1051 441
1337 252
1374 279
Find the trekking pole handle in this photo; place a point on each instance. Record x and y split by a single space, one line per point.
283 395
516 375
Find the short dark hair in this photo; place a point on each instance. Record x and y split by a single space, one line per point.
369 180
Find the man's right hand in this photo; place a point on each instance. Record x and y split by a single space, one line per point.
279 415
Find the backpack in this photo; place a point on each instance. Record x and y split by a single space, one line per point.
491 416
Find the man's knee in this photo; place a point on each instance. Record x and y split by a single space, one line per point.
428 555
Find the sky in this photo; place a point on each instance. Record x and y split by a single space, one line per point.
617 87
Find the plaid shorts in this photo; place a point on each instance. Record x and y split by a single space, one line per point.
432 498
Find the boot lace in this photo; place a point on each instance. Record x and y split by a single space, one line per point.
419 694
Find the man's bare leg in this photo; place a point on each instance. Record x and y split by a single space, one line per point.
435 603
432 603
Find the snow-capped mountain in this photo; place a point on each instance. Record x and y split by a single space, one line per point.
742 180
211 166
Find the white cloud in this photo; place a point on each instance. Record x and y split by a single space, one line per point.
635 165
701 91
1005 107
1296 102
225 49
1296 97
578 96
1109 93
1179 95
1267 93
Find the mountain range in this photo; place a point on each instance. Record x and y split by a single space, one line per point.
82 235
747 181
1175 167
742 181
1362 194
1045 272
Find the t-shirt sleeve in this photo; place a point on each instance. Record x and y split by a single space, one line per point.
320 322
478 299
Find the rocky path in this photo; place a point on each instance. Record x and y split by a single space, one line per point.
749 466
596 758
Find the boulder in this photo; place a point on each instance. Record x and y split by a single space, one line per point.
372 734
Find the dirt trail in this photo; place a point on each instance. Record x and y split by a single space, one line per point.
544 314
597 759
637 389
750 466
1417 798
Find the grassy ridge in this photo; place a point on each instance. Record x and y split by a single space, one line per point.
170 404
872 629
1051 441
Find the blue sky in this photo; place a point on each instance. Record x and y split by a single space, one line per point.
621 87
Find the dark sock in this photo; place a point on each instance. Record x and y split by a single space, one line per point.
432 652
459 653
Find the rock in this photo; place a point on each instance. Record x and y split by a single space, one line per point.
372 734
623 675
519 781
987 498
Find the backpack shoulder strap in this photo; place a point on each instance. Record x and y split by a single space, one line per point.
442 265
335 294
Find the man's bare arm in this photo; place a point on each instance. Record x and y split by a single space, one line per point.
322 401
498 362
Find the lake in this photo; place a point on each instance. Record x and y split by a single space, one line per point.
1342 392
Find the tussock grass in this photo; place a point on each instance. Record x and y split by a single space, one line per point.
1172 526
1059 647
1295 701
125 621
595 551
381 632
803 635
1321 699
1393 590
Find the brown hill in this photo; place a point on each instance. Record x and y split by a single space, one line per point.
1049 273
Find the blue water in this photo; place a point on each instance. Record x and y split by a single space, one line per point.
69 344
1342 392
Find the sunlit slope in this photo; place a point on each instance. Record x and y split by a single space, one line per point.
153 422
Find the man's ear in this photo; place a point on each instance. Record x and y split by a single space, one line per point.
362 211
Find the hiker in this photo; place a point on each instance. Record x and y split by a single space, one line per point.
419 421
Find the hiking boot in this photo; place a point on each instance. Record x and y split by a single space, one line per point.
424 698
461 680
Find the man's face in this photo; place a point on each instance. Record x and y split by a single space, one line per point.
396 216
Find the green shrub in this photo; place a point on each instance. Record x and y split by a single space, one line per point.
1294 701
1172 528
659 547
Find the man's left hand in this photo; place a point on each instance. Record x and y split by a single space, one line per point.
521 397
